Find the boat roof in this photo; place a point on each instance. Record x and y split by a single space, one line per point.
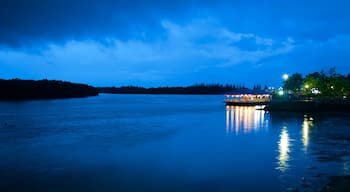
248 92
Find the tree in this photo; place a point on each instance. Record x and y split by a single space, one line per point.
257 87
331 84
294 82
337 86
314 80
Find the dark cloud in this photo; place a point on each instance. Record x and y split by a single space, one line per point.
27 21
35 21
316 20
162 42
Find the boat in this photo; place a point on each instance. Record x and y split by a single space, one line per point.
248 97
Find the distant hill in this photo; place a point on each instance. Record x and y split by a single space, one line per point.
200 89
17 89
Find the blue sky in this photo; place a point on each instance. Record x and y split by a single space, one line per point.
166 43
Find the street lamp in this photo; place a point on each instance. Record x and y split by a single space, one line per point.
285 76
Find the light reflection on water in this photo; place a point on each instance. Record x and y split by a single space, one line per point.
245 119
284 150
148 143
294 152
307 125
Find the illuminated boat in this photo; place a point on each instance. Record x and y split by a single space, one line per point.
248 97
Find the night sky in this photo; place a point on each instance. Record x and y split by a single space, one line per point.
167 43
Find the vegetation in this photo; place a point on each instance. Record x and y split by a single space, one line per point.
294 82
319 84
316 92
17 89
194 89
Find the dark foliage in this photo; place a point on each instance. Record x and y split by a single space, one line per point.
329 84
294 82
17 89
201 89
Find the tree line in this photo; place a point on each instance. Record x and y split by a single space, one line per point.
17 89
193 89
321 84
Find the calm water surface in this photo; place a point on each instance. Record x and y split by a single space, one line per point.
166 143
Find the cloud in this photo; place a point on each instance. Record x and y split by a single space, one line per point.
37 22
210 41
24 22
320 55
157 42
197 46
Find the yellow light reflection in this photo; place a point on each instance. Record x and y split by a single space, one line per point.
244 119
227 119
283 149
305 133
307 125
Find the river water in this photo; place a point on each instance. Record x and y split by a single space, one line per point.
166 143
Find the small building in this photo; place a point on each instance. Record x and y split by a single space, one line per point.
248 97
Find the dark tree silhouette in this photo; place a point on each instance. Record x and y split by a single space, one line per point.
202 89
17 89
294 82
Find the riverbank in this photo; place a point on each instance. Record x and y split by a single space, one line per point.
198 89
338 183
309 106
17 89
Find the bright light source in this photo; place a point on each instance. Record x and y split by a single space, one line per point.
307 86
315 91
280 92
285 76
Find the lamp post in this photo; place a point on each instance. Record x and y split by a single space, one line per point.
285 78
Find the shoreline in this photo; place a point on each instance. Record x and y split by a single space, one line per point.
309 106
337 183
